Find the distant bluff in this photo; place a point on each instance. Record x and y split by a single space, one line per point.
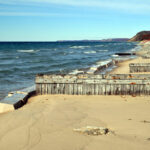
144 35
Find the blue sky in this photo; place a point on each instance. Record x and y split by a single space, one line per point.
51 20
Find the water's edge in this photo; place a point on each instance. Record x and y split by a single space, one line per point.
89 52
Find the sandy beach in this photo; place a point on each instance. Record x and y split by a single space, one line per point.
48 122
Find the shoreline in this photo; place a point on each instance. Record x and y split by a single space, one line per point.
91 68
106 66
123 66
113 65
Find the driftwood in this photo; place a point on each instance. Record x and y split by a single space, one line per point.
93 84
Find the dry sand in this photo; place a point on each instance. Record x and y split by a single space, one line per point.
123 67
47 122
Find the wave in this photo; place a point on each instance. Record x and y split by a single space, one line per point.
99 45
104 62
74 72
80 47
27 51
118 43
137 48
115 55
89 52
99 64
103 50
71 52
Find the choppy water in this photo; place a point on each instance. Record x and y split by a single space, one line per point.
21 61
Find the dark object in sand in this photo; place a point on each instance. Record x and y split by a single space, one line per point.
91 130
125 54
145 121
148 139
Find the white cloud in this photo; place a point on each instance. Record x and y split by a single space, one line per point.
123 5
33 14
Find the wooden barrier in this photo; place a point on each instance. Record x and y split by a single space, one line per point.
139 67
146 56
93 84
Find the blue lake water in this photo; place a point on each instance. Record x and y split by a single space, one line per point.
21 61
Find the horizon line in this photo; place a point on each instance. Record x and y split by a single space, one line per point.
67 40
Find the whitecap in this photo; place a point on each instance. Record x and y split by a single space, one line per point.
103 50
89 52
71 52
99 45
137 48
115 55
80 47
27 51
104 62
74 72
94 68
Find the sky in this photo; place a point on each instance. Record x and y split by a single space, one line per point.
52 20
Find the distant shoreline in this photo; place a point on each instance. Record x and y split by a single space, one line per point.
63 41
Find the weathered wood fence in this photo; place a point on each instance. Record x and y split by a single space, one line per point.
139 67
93 84
146 56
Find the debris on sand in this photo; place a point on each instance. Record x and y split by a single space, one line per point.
145 121
92 130
148 139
